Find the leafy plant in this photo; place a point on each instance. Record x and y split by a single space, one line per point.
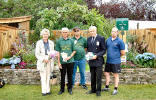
29 58
135 45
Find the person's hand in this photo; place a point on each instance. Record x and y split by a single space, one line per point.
57 54
67 58
60 66
45 61
94 57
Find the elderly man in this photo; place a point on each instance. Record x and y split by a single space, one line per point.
65 47
44 64
96 45
79 58
115 49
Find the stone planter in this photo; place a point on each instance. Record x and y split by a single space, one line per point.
32 76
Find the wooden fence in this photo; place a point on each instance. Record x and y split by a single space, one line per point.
10 35
149 35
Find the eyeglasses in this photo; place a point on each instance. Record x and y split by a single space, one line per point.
76 31
64 32
91 31
114 31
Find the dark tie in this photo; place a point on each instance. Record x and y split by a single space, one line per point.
92 41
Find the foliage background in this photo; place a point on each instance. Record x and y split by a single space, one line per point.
55 14
73 15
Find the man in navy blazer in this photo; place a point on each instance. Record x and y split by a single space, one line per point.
96 45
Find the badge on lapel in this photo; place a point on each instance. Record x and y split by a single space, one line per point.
97 43
75 41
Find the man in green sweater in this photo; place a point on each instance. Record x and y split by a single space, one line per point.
80 44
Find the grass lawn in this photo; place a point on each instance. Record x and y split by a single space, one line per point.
33 92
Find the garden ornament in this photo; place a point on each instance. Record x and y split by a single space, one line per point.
2 83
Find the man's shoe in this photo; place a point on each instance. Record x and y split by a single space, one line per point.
60 92
84 87
80 85
90 92
72 86
49 93
105 89
98 93
70 92
44 94
114 92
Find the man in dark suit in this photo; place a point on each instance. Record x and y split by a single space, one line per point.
96 45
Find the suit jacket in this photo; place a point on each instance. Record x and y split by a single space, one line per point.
40 55
98 48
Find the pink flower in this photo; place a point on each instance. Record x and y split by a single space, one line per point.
22 64
53 54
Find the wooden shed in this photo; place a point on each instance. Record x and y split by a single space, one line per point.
10 29
21 23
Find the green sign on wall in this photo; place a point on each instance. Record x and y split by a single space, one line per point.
122 23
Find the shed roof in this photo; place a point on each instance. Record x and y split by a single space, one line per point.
6 26
15 19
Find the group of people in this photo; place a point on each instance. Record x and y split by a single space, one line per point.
71 54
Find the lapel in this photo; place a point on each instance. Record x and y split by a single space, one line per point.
96 39
42 46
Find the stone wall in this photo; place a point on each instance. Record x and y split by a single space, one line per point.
22 76
31 76
138 76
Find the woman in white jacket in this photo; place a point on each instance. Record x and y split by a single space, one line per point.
44 63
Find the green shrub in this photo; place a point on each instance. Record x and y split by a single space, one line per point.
72 15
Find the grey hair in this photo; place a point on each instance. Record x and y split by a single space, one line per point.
65 29
93 27
44 31
114 29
